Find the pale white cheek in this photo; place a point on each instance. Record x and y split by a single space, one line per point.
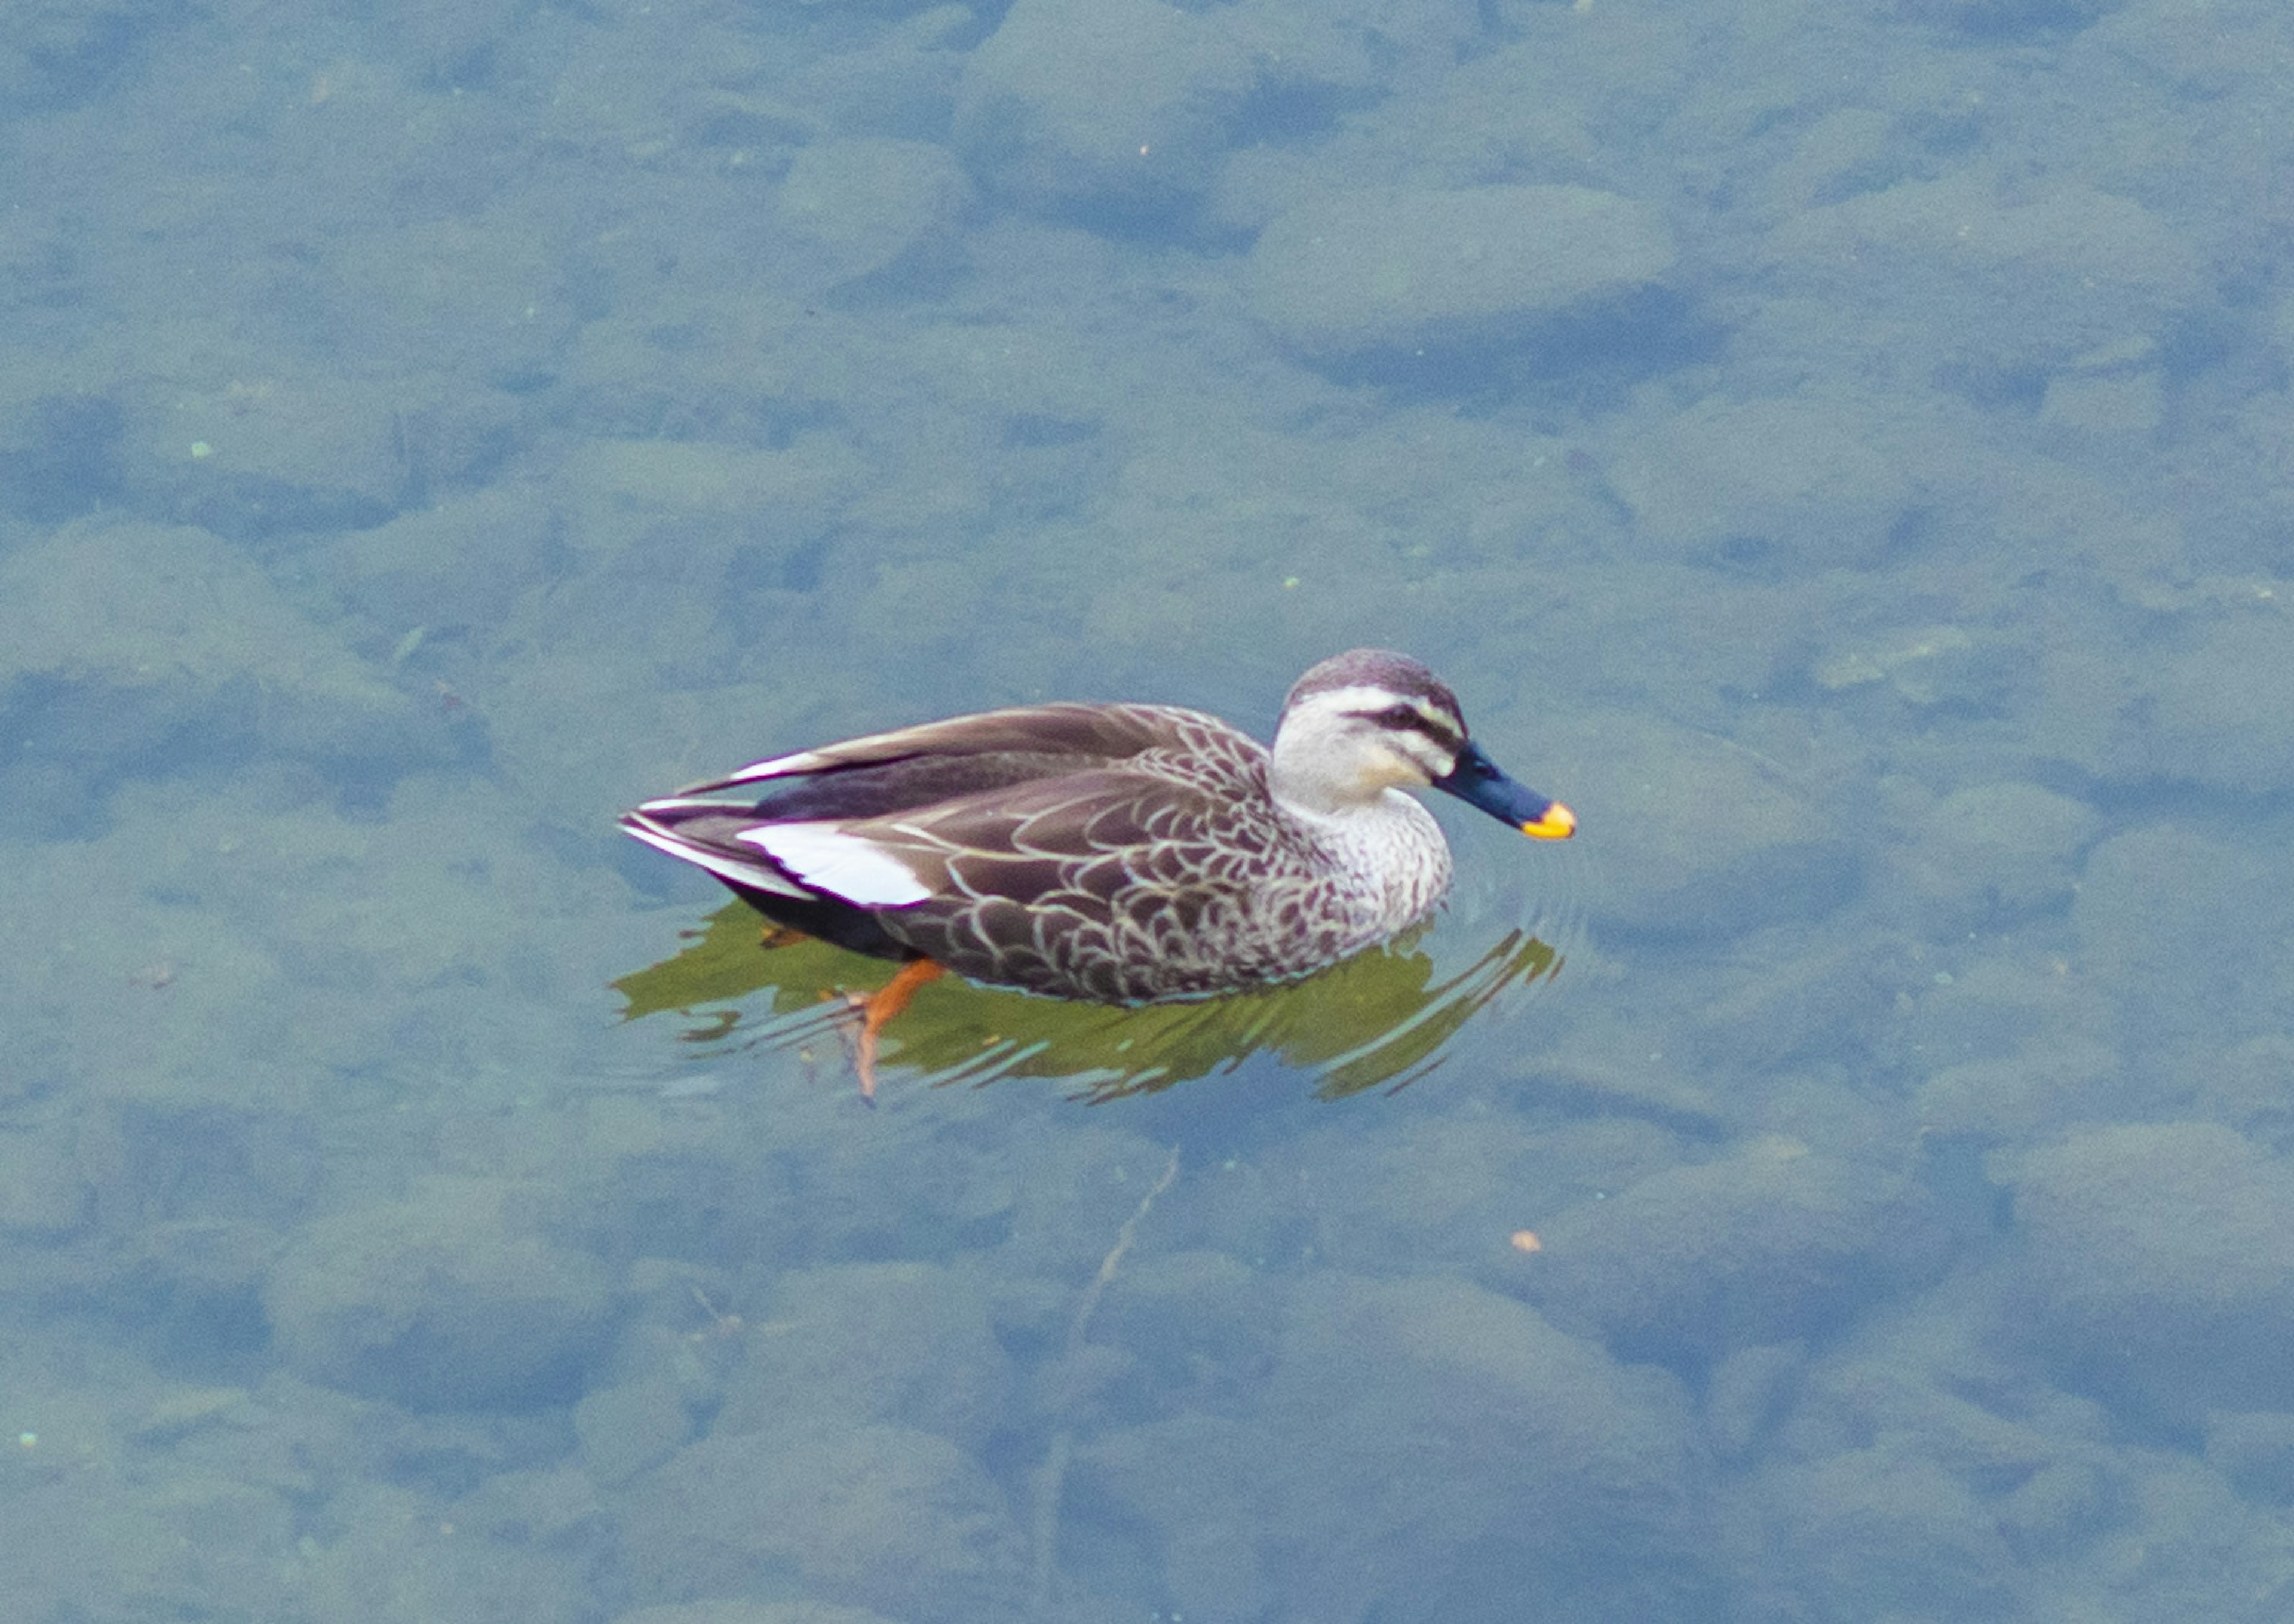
1395 766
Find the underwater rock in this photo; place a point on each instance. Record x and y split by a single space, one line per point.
1771 1245
902 1342
128 650
2178 930
1706 839
442 1301
2216 707
1816 482
1993 852
1100 105
2158 1263
1437 1451
753 1612
2001 285
875 1516
1387 268
857 206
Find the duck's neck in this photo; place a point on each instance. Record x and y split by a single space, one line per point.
1389 850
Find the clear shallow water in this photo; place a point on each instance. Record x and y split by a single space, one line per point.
1838 452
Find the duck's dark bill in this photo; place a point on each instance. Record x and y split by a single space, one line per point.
1480 782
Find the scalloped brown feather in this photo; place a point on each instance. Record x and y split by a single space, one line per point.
1118 853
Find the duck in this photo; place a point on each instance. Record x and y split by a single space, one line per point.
1110 853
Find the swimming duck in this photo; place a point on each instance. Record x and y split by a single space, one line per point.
1120 854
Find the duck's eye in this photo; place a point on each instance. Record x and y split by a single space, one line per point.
1398 716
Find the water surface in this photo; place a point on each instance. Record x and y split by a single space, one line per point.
1840 450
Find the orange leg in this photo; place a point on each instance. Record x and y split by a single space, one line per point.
878 1007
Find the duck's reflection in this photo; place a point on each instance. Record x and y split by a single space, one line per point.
1381 1018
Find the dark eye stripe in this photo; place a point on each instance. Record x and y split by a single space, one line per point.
1404 718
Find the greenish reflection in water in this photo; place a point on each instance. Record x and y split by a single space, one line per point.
1382 1017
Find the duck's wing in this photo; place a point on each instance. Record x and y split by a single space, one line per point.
992 749
1087 843
893 819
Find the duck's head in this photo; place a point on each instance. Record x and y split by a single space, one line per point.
1371 720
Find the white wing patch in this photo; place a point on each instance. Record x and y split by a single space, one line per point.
776 767
829 857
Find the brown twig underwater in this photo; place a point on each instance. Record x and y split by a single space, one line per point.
1051 1480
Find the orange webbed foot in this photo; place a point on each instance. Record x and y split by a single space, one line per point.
875 1009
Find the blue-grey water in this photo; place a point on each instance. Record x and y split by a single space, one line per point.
1841 449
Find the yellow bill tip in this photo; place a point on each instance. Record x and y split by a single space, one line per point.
1558 823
